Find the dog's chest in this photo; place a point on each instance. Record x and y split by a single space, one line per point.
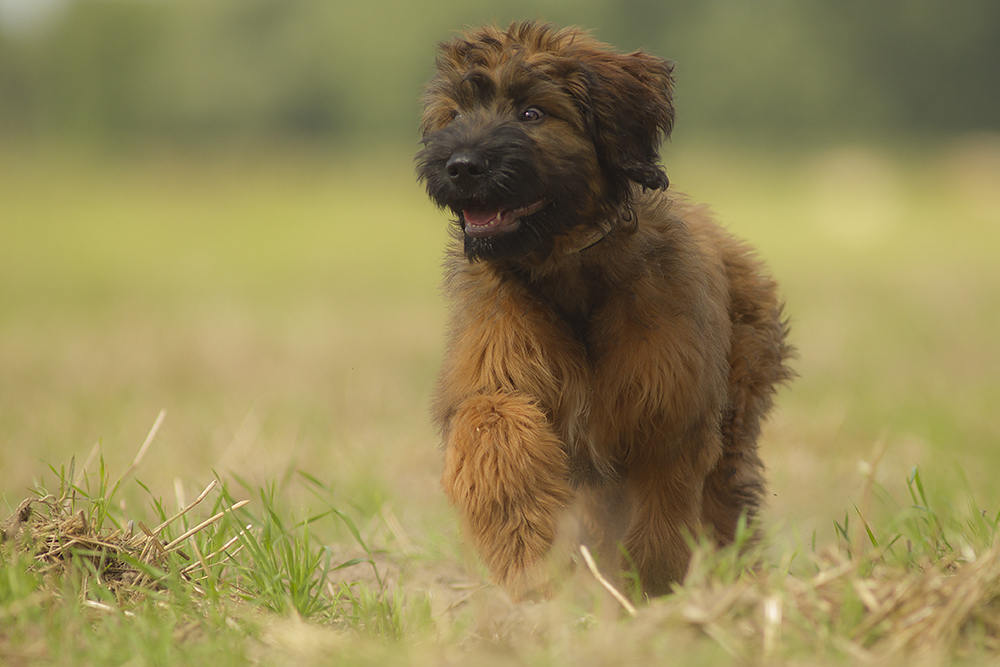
609 404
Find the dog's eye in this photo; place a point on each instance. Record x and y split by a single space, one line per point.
532 114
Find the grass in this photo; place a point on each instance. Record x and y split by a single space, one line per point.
80 562
284 312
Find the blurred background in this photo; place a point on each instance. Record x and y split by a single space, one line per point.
208 206
191 72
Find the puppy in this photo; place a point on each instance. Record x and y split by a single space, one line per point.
611 350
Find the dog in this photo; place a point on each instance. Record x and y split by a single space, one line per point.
611 350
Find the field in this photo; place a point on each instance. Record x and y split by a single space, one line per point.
283 311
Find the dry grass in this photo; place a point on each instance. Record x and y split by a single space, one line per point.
53 535
56 536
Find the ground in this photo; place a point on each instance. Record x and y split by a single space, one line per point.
284 311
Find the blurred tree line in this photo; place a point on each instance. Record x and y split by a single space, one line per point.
202 71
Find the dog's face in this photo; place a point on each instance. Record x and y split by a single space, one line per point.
533 134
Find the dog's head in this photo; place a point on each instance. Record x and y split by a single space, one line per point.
533 134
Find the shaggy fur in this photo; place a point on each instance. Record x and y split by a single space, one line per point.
611 351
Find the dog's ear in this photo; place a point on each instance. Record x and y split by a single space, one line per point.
629 112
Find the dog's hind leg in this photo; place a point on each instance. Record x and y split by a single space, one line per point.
506 471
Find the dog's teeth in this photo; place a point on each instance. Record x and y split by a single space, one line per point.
480 218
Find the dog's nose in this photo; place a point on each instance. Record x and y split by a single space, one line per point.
466 166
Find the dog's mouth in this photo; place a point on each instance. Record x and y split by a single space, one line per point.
482 222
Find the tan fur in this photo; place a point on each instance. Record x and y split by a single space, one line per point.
625 382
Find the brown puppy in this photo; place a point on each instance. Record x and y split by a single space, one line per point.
612 351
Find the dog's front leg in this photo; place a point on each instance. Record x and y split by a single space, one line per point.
667 500
506 471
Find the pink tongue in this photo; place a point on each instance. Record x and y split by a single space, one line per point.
480 218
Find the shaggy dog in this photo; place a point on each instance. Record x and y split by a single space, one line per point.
612 351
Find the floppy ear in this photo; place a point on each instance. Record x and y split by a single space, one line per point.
630 111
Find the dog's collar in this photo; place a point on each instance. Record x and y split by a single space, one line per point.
590 238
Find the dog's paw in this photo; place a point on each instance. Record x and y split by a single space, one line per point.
534 583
